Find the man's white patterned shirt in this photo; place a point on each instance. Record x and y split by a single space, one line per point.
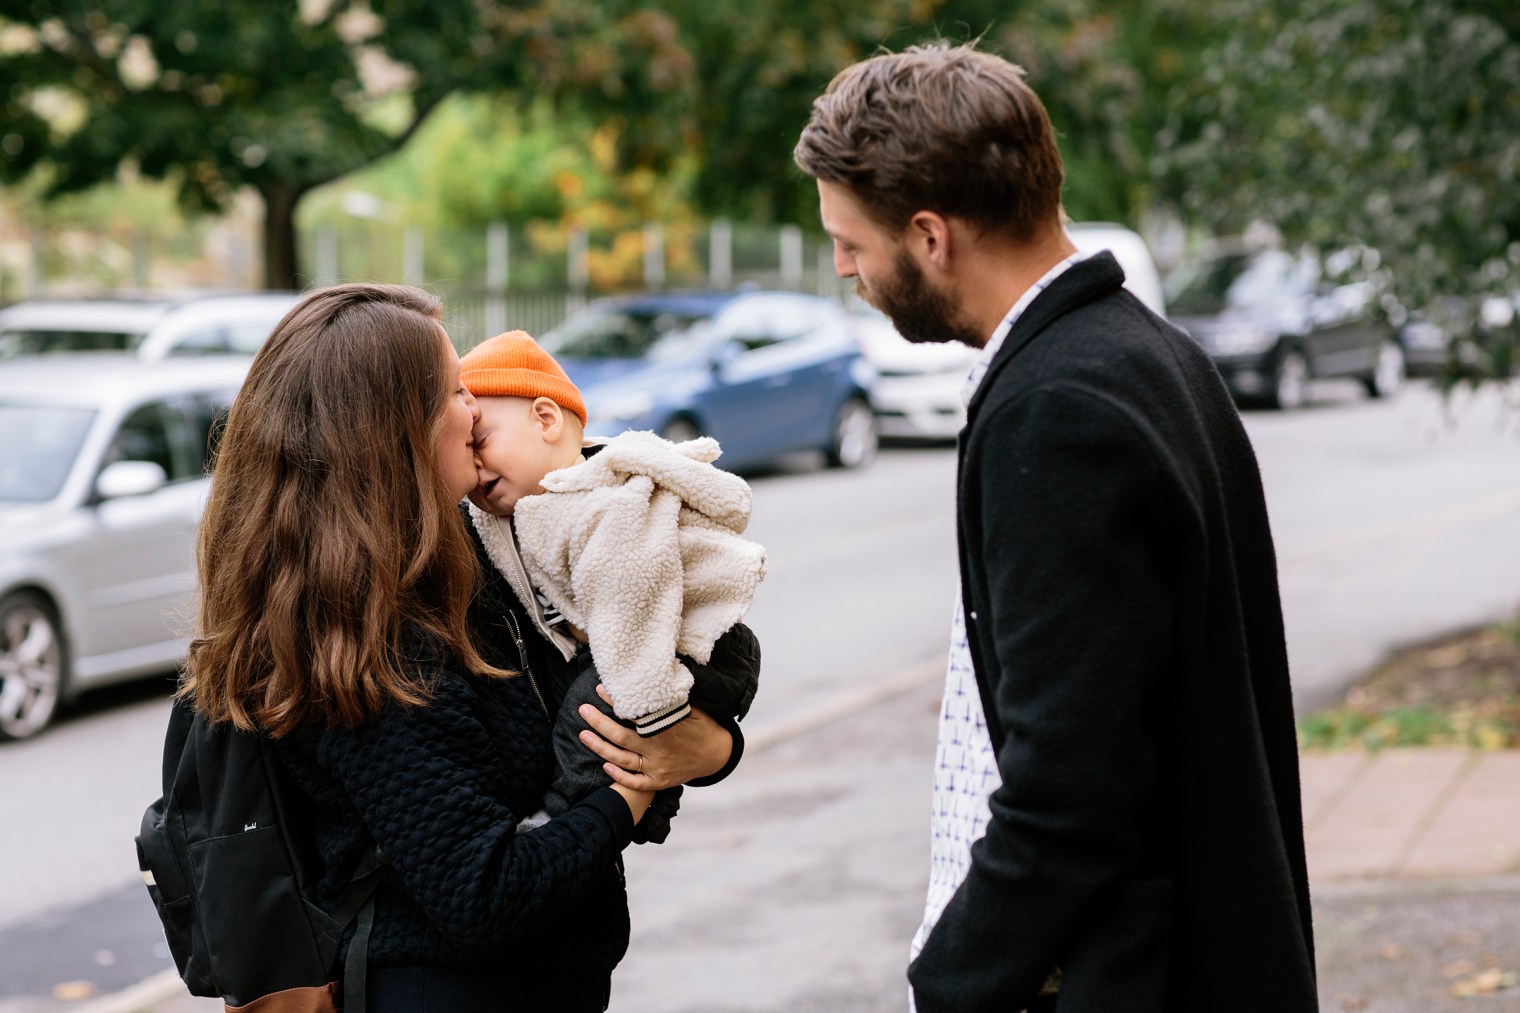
965 767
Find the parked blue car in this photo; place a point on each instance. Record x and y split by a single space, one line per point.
764 373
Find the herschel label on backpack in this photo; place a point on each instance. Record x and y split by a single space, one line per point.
230 864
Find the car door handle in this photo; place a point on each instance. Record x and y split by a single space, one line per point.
778 381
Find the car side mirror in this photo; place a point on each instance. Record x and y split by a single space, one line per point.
129 478
725 354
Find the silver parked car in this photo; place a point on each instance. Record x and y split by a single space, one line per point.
153 326
103 477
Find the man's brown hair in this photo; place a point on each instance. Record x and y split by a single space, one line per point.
331 546
937 128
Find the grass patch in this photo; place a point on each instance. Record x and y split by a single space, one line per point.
1459 691
1347 728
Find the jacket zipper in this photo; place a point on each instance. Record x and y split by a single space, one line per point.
523 587
522 656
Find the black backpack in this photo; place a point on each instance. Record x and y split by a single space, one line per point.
231 866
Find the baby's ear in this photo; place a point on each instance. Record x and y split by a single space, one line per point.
549 417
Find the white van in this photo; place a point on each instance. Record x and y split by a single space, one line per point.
1140 274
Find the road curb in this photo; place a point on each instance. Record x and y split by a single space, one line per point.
1393 886
783 729
143 995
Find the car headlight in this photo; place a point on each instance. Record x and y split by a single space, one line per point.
863 372
1242 339
1496 312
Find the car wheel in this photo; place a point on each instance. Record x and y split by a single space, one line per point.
680 430
1388 375
1290 381
32 665
855 436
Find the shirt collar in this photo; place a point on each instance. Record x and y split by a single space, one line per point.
994 343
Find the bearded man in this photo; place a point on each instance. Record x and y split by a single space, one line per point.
1116 822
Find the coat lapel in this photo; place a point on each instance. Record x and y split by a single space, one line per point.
1084 281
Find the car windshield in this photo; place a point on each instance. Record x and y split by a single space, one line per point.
38 445
623 333
1239 281
21 341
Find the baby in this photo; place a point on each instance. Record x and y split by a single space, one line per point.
633 545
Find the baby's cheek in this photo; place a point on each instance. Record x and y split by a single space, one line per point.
486 506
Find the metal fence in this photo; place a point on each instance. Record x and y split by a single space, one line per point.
491 278
531 277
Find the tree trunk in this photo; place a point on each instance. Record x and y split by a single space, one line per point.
281 267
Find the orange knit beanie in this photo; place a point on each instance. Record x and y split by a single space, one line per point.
513 365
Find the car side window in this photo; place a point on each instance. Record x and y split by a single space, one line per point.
792 318
157 432
246 336
18 342
749 322
239 337
208 418
211 341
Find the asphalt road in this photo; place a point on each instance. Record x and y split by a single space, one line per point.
797 884
1394 521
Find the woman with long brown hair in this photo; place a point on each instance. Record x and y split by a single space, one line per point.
343 616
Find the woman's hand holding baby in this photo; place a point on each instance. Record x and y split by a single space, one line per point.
694 747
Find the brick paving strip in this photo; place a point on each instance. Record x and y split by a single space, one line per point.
1411 813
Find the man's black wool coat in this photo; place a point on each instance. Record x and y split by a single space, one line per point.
1121 598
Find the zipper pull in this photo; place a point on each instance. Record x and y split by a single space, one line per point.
522 656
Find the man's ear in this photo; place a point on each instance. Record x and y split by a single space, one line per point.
929 237
548 416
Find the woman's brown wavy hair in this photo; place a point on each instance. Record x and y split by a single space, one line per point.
331 540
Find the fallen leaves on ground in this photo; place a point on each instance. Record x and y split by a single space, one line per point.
1487 982
1461 691
72 991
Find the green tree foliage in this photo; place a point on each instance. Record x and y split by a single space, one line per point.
1104 68
758 68
1395 123
537 167
1107 71
484 158
283 96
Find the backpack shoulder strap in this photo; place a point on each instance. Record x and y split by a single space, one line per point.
357 904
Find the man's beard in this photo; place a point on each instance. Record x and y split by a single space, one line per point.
921 313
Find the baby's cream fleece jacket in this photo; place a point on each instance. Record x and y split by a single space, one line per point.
640 545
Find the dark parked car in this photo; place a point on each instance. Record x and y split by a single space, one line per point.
764 373
1425 343
1459 333
1273 320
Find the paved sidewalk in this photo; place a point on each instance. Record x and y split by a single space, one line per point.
798 885
1411 813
